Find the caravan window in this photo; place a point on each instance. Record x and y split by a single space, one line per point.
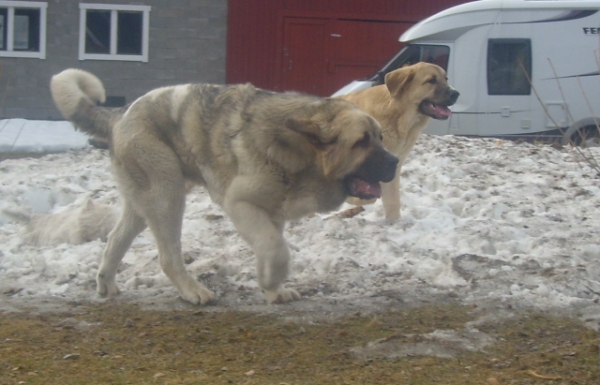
414 53
509 67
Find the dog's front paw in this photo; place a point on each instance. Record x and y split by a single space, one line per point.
281 295
196 293
359 202
106 288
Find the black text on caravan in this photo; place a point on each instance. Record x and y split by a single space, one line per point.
591 31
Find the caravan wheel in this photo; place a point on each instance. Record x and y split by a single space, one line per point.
588 136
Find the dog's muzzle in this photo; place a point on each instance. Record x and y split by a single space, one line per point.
380 166
439 110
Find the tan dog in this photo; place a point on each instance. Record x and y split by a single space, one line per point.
265 157
403 105
77 224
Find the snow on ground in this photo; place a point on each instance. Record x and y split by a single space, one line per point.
27 136
483 221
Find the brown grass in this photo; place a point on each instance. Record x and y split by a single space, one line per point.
122 344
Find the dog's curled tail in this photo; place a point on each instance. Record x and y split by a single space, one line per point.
76 94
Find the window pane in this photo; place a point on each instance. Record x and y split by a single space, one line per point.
97 32
3 19
129 33
509 66
436 54
414 53
27 30
410 54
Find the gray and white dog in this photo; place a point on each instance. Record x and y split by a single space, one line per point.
265 157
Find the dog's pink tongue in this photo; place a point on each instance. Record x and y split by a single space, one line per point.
363 189
442 112
436 111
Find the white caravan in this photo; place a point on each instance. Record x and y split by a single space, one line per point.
524 68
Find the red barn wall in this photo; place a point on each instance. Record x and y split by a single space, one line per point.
316 46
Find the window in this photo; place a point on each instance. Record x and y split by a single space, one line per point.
414 53
509 67
113 32
23 29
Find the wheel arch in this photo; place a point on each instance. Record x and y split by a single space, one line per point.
575 127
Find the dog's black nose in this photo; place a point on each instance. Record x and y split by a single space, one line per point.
454 94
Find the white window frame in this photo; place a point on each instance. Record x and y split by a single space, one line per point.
10 29
114 8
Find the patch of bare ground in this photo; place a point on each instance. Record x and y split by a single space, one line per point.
433 344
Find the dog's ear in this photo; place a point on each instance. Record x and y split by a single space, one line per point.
397 81
310 130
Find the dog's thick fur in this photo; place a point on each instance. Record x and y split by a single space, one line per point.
265 157
403 106
77 224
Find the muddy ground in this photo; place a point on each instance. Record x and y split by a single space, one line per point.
314 341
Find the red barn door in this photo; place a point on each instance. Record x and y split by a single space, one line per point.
358 48
304 55
320 55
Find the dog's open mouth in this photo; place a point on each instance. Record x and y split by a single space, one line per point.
435 111
362 189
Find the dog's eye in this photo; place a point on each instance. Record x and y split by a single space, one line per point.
364 142
433 80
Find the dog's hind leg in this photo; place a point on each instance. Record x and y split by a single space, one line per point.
163 205
119 240
151 180
165 220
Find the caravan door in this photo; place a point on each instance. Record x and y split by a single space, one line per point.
507 100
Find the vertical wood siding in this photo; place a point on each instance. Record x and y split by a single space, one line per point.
260 33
